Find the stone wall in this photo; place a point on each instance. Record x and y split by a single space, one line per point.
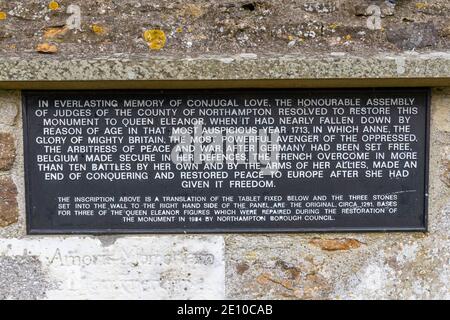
193 27
121 44
231 266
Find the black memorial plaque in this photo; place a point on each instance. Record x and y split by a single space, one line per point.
226 160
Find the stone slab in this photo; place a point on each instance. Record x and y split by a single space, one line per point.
235 67
164 267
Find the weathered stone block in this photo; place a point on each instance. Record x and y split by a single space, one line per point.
446 30
22 277
145 267
441 105
7 151
9 211
9 107
335 244
446 167
414 35
401 266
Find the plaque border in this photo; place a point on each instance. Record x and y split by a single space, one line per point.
199 231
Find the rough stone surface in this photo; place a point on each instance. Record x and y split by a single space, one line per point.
22 278
297 266
282 267
7 151
237 67
9 212
446 31
16 174
446 167
354 266
226 40
442 102
9 107
218 27
158 267
415 35
335 244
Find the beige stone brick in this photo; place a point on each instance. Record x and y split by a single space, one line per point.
9 211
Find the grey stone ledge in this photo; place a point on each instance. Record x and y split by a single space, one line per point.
238 67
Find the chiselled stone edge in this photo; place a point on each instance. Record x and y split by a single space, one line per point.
243 67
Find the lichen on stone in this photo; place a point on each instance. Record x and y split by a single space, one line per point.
53 5
46 48
97 29
155 38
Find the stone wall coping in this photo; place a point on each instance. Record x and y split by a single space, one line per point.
16 72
